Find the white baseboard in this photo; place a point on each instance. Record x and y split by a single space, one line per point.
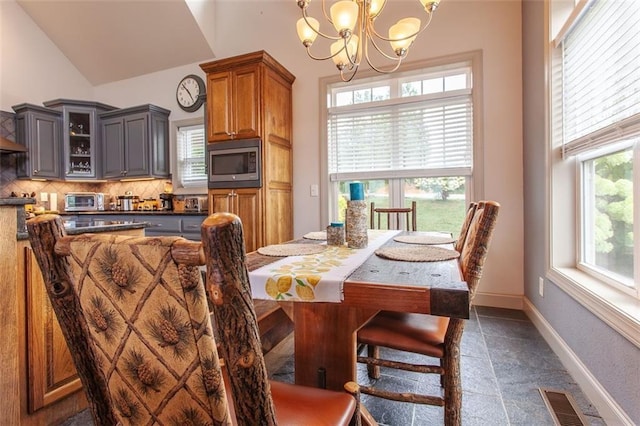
494 300
607 407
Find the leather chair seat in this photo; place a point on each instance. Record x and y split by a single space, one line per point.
417 333
304 405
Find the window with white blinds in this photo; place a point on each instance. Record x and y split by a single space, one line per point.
409 134
191 147
601 76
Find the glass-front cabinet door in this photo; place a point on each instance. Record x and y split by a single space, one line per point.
81 137
80 148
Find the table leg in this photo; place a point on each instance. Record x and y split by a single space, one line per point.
325 343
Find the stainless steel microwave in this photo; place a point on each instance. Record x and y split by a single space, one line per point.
235 164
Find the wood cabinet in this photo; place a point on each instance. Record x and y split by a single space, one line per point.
246 203
250 96
38 129
233 95
135 142
80 137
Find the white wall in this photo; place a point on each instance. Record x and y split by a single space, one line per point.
244 26
32 68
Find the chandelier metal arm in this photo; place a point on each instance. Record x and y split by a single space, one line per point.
397 59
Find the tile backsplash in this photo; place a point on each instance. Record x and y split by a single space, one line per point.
10 183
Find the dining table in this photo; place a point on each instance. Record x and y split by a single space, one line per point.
325 328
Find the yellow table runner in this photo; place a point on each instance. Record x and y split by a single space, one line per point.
316 277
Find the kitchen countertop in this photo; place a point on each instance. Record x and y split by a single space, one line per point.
135 212
73 227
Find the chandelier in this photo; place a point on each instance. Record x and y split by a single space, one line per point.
353 21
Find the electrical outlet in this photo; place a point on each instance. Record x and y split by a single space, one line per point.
541 286
314 190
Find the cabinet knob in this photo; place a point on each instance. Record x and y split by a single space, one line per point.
36 171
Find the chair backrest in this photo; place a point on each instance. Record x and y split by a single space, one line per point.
134 313
235 318
476 245
465 226
409 213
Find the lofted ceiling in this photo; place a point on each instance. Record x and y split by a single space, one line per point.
111 40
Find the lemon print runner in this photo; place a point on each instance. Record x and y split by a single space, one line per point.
314 277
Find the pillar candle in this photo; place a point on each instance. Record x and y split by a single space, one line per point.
356 190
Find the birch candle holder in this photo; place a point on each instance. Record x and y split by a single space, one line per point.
356 224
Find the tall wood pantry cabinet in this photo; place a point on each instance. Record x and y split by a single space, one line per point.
250 96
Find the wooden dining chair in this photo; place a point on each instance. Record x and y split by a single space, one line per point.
471 210
429 335
393 213
134 313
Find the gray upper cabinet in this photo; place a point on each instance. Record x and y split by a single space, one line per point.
38 129
135 142
80 137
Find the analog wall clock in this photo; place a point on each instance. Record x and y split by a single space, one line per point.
190 93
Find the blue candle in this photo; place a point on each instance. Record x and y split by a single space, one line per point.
356 190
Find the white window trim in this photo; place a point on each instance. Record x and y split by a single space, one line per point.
474 191
619 310
177 189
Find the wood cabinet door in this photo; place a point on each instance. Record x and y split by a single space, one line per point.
52 373
246 103
233 105
219 112
220 200
247 205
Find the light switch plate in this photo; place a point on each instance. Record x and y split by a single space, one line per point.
314 190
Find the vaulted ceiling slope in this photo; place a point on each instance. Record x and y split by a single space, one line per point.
111 40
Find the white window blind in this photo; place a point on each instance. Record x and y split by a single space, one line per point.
430 133
191 156
601 76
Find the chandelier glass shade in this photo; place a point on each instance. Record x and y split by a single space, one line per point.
355 34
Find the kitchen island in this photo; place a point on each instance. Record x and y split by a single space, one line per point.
38 379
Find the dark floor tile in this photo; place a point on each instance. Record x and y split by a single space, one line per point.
509 328
526 413
478 376
502 313
387 412
507 353
473 344
482 410
81 419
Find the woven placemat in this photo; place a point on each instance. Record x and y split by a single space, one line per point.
423 239
291 249
316 235
417 253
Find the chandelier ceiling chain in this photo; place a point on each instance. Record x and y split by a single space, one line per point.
353 21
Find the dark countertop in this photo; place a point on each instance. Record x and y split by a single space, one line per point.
135 212
17 201
73 227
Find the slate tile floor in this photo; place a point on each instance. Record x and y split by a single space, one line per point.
504 362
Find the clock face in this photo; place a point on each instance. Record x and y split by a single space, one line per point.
190 93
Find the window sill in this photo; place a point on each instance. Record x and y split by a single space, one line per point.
619 310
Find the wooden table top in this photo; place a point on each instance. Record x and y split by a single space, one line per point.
422 287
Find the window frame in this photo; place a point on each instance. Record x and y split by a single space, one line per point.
615 307
474 183
175 173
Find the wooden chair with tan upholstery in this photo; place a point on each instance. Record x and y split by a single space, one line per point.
393 214
429 335
471 210
134 313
